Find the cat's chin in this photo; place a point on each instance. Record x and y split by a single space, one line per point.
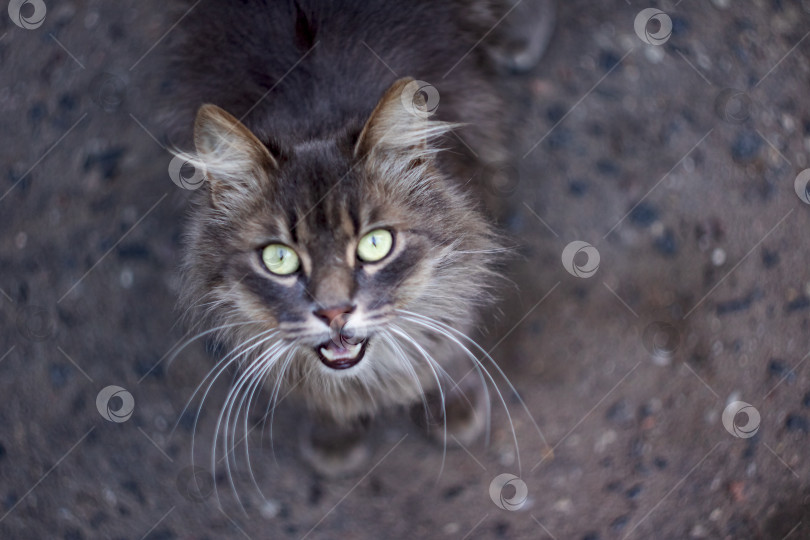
341 356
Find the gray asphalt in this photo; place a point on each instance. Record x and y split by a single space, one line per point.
677 162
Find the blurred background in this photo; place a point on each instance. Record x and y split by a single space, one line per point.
663 357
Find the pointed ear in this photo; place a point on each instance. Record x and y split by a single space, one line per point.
235 161
400 122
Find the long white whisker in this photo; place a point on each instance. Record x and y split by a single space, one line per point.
273 401
390 340
231 357
475 360
426 356
269 365
495 364
230 402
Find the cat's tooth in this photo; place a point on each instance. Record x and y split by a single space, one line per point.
352 350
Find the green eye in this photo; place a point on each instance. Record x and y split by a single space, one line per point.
375 245
280 259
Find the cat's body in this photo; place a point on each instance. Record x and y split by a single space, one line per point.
320 140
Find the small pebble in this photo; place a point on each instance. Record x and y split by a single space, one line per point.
718 257
563 505
451 528
270 509
769 258
606 439
634 492
666 244
126 278
746 146
698 531
619 523
644 215
654 54
794 422
779 369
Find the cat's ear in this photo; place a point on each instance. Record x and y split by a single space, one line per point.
235 161
400 123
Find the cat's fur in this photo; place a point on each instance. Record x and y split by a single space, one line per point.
309 143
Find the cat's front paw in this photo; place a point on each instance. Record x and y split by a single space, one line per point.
333 449
465 415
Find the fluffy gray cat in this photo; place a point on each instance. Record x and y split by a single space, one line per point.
338 248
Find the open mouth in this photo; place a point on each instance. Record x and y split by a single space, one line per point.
341 355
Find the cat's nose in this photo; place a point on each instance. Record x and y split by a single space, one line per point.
328 315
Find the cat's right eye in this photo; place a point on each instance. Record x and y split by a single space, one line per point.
280 259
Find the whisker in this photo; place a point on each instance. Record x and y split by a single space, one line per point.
441 392
247 378
495 364
475 360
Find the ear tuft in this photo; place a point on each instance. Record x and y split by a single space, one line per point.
235 160
400 122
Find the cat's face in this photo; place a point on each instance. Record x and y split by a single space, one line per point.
323 248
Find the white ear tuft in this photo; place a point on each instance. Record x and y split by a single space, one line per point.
235 161
400 123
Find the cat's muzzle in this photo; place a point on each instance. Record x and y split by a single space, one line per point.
344 349
341 353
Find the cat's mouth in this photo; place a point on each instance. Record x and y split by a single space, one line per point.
342 355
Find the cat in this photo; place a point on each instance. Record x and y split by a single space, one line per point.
339 247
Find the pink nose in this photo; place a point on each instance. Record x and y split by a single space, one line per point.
328 315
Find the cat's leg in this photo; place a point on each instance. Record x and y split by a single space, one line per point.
465 413
335 449
519 41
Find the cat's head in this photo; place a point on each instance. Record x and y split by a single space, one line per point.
312 254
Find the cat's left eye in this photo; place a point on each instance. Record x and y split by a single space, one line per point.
280 259
375 245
